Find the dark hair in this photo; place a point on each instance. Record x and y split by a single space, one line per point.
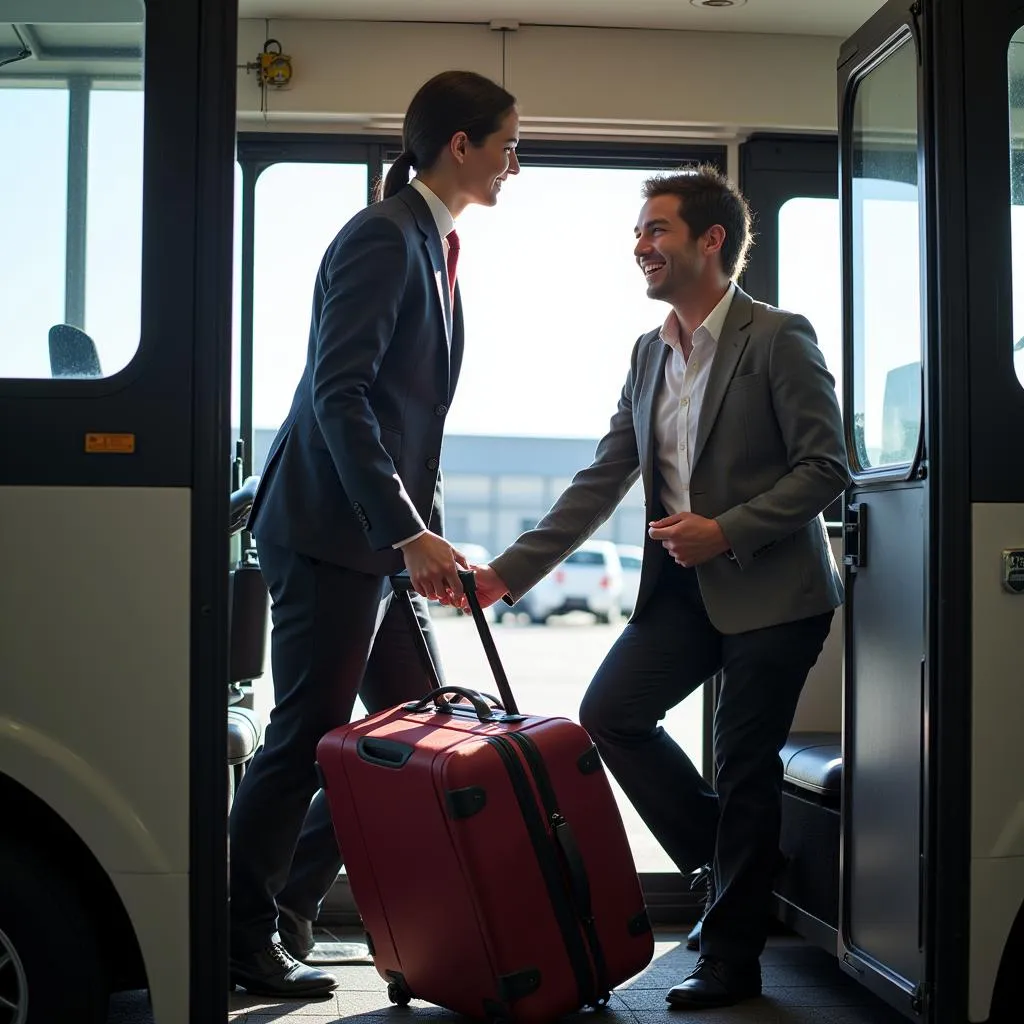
453 101
708 197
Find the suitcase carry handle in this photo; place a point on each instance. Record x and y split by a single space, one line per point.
483 711
402 584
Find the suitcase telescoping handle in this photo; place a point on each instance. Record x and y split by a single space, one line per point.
402 585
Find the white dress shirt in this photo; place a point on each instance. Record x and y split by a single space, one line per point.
677 407
445 225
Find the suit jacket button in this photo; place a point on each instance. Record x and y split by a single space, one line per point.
440 410
431 464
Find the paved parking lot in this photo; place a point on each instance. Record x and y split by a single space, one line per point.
549 668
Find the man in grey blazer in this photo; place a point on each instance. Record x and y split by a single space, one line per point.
729 415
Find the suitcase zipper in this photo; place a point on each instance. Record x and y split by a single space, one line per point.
576 870
550 869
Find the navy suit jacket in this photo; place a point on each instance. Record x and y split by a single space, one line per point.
355 466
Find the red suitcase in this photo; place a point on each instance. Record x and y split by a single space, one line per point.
485 852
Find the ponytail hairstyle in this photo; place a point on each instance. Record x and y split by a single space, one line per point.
453 101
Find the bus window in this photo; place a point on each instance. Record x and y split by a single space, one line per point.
886 268
300 207
71 116
809 276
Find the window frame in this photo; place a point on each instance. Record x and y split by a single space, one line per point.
914 468
668 895
79 88
775 168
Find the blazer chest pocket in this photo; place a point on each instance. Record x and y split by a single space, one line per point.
744 381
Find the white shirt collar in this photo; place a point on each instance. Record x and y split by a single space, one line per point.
713 322
442 215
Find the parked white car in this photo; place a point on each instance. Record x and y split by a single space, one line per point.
589 580
631 557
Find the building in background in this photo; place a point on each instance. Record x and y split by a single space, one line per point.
497 487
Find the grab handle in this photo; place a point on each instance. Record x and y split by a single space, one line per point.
480 706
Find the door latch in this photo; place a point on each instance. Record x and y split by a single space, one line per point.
855 536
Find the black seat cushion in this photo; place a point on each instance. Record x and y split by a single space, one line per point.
813 761
244 733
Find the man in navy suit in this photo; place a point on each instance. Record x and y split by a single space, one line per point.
351 494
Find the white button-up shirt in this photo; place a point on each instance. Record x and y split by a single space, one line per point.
677 408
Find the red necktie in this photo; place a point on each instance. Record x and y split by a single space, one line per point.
453 260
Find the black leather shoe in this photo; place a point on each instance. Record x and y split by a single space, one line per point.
716 983
274 972
296 933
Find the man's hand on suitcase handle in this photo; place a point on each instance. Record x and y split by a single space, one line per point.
433 566
490 587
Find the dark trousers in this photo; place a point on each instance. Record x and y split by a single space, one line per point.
659 659
336 633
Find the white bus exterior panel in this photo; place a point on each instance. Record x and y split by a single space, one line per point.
94 632
997 748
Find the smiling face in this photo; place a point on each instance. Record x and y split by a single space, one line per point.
485 167
670 258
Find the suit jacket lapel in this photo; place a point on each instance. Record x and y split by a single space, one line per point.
647 406
425 222
457 342
735 332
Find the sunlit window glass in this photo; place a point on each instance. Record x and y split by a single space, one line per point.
886 266
71 191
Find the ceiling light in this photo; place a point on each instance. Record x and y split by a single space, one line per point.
717 3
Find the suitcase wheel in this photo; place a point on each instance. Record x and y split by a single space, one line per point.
399 994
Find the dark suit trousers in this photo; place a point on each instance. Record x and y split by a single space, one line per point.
336 633
659 659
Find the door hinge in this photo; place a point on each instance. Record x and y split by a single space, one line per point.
855 536
920 999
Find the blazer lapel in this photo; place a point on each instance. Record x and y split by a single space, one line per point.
425 222
457 343
435 254
735 332
646 411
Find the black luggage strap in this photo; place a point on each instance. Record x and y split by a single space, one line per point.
580 885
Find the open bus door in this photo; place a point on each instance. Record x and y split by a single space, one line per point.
932 841
114 481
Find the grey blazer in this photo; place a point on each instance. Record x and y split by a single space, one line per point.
769 458
355 466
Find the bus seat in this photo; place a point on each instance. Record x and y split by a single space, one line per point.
813 762
811 795
244 734
72 353
248 611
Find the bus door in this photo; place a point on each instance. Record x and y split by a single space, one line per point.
931 104
884 200
116 199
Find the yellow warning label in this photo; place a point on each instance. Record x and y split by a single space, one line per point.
115 444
